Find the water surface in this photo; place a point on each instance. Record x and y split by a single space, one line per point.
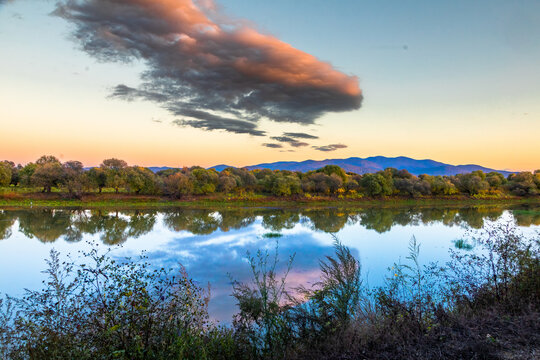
212 243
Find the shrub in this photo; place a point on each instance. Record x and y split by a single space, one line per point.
110 309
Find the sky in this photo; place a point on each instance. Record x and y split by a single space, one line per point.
241 82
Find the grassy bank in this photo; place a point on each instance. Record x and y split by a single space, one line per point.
111 200
478 306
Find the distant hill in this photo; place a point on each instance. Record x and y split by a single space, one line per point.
373 164
159 168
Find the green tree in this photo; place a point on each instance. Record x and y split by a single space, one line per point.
5 174
141 180
97 178
472 183
440 185
25 174
376 185
204 181
14 171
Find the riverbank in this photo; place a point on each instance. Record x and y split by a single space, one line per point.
107 200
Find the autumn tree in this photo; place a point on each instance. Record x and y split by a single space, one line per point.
321 183
227 181
177 185
48 173
537 178
440 185
522 184
73 178
495 180
333 169
115 170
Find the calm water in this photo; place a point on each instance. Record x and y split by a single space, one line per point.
213 243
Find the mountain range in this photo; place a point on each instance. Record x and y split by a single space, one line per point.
368 165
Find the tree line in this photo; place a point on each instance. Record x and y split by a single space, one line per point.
71 177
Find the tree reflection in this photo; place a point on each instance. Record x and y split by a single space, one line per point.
196 221
114 229
49 225
237 219
140 223
527 217
328 220
6 223
279 219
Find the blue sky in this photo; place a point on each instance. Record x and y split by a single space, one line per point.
453 81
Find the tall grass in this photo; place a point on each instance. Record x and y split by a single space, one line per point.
482 305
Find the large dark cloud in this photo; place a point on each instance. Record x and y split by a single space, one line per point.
220 73
331 147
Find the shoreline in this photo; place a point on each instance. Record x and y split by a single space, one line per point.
57 200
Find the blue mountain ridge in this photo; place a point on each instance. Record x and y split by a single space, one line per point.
367 165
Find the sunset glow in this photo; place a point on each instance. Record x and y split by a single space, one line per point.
204 86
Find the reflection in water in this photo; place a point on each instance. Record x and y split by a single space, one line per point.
6 222
49 225
527 217
212 243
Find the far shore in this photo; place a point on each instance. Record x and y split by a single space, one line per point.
108 200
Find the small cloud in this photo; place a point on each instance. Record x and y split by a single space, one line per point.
291 141
331 147
157 120
15 15
127 93
282 138
273 146
300 135
207 121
